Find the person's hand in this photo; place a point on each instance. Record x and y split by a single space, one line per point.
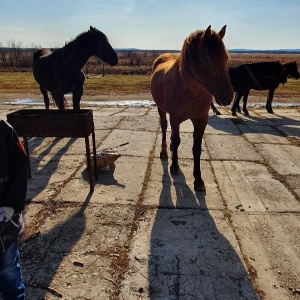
6 213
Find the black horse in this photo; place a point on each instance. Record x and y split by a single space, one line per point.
60 71
258 76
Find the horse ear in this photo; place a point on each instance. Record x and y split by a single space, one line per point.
92 28
207 32
222 32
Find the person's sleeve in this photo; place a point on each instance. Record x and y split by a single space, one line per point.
16 187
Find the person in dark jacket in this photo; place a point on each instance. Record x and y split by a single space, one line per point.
13 188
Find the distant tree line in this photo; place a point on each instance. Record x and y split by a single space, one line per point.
15 56
131 61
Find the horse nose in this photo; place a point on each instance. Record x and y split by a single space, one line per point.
226 99
115 61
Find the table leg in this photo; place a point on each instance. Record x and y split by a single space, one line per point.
94 152
88 158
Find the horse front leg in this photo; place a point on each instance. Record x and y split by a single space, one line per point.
163 126
77 93
214 109
245 98
175 142
269 102
76 100
199 127
46 98
236 104
78 90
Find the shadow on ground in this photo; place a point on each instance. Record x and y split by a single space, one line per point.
190 257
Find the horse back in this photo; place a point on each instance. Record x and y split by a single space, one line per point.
251 76
174 95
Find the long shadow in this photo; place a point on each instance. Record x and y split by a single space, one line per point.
277 126
43 254
190 258
40 176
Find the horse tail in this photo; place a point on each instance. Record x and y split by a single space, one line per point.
162 59
65 102
41 52
37 54
66 105
155 64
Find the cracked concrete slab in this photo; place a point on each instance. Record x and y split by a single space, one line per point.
144 233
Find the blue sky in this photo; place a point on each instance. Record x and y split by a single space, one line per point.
151 24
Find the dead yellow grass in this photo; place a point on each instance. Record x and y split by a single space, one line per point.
23 82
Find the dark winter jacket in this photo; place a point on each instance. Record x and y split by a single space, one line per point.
13 169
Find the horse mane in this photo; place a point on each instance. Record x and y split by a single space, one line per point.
191 59
84 37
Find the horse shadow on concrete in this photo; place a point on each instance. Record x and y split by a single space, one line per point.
43 254
40 175
276 125
189 257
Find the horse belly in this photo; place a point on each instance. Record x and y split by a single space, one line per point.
44 75
158 89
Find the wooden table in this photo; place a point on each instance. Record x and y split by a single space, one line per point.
57 123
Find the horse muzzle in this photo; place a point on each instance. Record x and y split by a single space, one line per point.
225 99
114 61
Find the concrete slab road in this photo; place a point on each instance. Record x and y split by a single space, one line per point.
145 234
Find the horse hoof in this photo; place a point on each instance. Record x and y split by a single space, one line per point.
218 113
163 156
174 170
234 113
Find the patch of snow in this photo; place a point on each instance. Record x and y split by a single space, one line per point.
134 103
126 103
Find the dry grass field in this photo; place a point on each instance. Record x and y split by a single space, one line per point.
132 75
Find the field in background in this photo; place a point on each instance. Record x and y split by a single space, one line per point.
132 75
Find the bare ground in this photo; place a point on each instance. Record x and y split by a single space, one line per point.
143 233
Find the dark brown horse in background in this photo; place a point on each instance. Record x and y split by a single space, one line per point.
183 86
258 76
60 71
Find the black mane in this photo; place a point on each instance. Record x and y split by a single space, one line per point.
87 36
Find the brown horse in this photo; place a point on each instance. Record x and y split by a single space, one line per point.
60 71
183 86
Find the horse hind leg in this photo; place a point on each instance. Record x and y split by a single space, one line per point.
199 127
175 142
236 104
163 126
245 98
46 97
59 101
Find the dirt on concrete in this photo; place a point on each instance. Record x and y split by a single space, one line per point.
144 233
